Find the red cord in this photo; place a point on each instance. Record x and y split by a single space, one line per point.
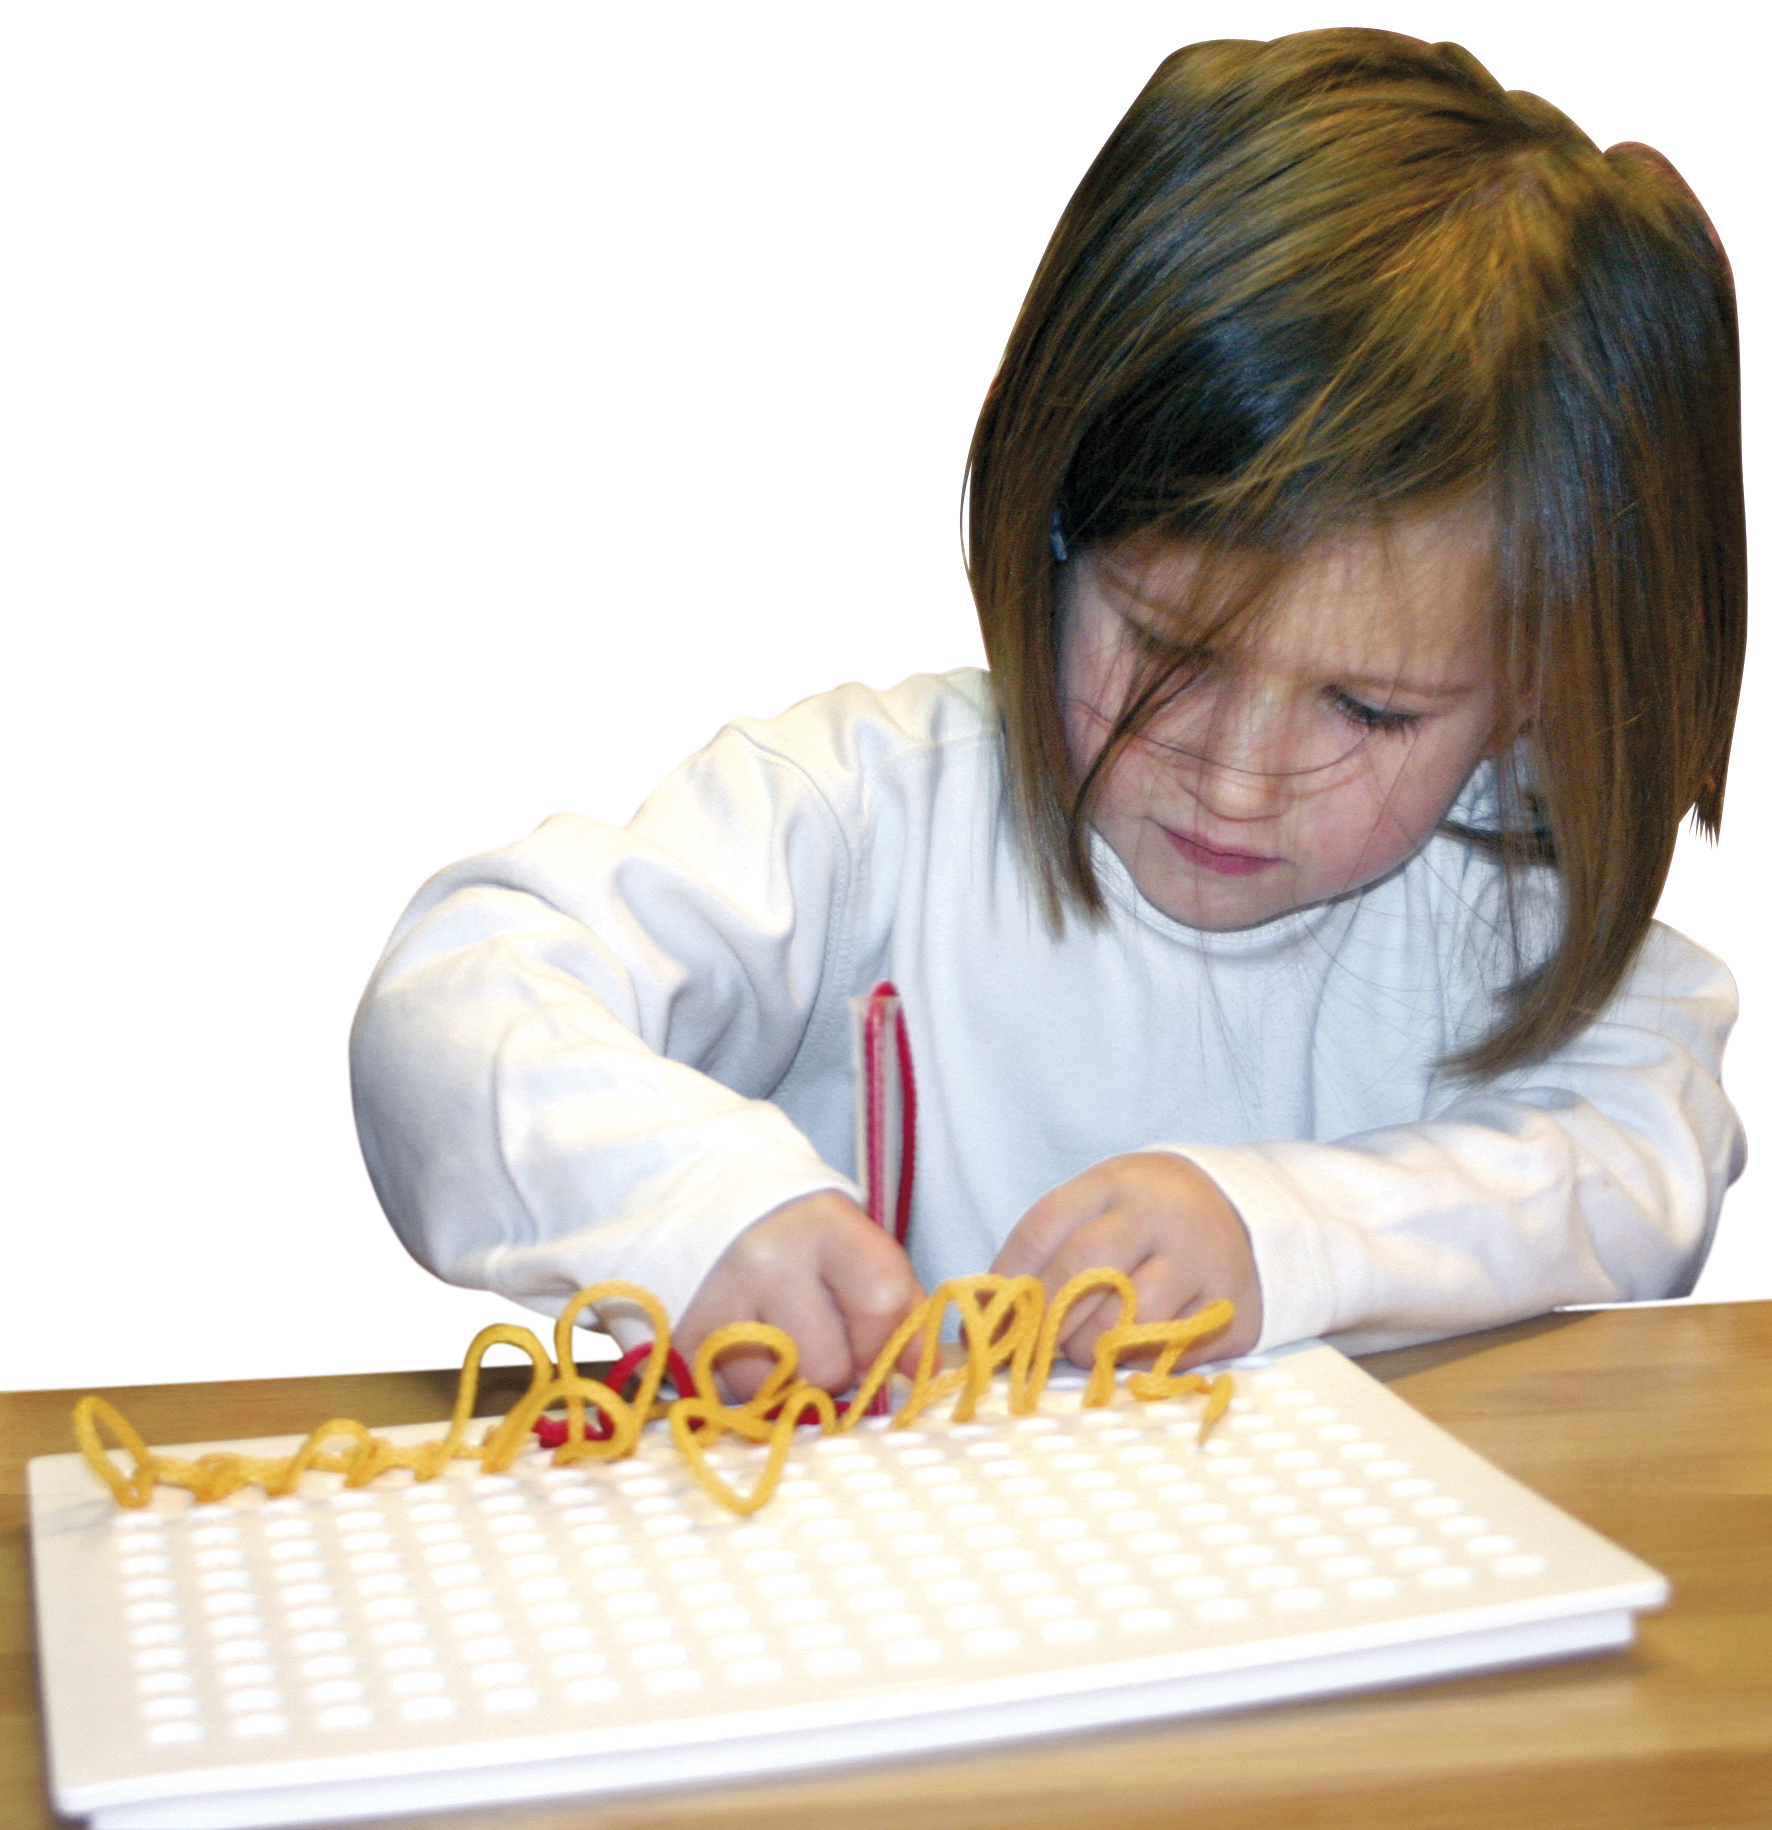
551 1432
907 1164
876 1103
899 1223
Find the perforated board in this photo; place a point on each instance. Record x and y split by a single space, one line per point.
552 1631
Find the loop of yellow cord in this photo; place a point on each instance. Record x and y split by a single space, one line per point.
1004 1321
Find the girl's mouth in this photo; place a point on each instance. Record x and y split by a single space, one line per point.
1225 863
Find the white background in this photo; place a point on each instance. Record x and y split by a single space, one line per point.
419 418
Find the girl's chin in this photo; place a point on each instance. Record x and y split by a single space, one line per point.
1218 905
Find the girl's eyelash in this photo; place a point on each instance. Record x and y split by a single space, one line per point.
1152 645
1371 717
1198 661
1147 641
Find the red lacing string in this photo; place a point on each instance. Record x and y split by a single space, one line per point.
907 1111
551 1432
898 1223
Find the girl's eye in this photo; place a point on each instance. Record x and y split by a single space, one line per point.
1371 717
1185 662
1148 641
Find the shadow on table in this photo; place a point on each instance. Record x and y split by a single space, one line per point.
1400 1362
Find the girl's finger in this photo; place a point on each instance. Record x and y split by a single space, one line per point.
1173 1284
1116 1241
1169 1284
872 1288
1043 1230
819 1331
1084 1325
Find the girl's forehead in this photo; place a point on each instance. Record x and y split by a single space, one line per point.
1416 588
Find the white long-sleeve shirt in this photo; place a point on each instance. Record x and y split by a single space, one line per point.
603 1052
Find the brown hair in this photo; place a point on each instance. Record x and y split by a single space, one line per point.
1318 281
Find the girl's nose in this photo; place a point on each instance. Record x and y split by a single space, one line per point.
1245 755
1231 792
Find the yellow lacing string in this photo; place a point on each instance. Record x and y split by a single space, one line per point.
1004 1321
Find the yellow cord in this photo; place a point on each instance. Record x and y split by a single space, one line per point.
1004 1321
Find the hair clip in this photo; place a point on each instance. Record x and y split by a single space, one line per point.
1060 551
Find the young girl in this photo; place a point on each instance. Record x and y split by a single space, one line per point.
1356 530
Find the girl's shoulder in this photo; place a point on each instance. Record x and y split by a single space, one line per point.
857 733
854 762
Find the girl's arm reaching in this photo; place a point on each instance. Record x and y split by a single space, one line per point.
1593 1177
563 1064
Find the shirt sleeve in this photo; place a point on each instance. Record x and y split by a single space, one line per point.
1595 1176
562 1066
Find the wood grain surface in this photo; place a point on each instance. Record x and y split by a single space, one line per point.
1652 1425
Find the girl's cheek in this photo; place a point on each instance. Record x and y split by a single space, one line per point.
1084 734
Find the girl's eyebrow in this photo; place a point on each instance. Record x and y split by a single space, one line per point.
1381 683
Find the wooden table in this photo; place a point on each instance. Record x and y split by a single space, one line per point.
1653 1425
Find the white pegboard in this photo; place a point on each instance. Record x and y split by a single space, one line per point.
552 1631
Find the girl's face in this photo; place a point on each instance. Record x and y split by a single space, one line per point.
1316 761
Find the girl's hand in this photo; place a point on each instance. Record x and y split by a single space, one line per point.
1161 1221
820 1270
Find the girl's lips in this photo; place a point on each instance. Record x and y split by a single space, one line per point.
1225 863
